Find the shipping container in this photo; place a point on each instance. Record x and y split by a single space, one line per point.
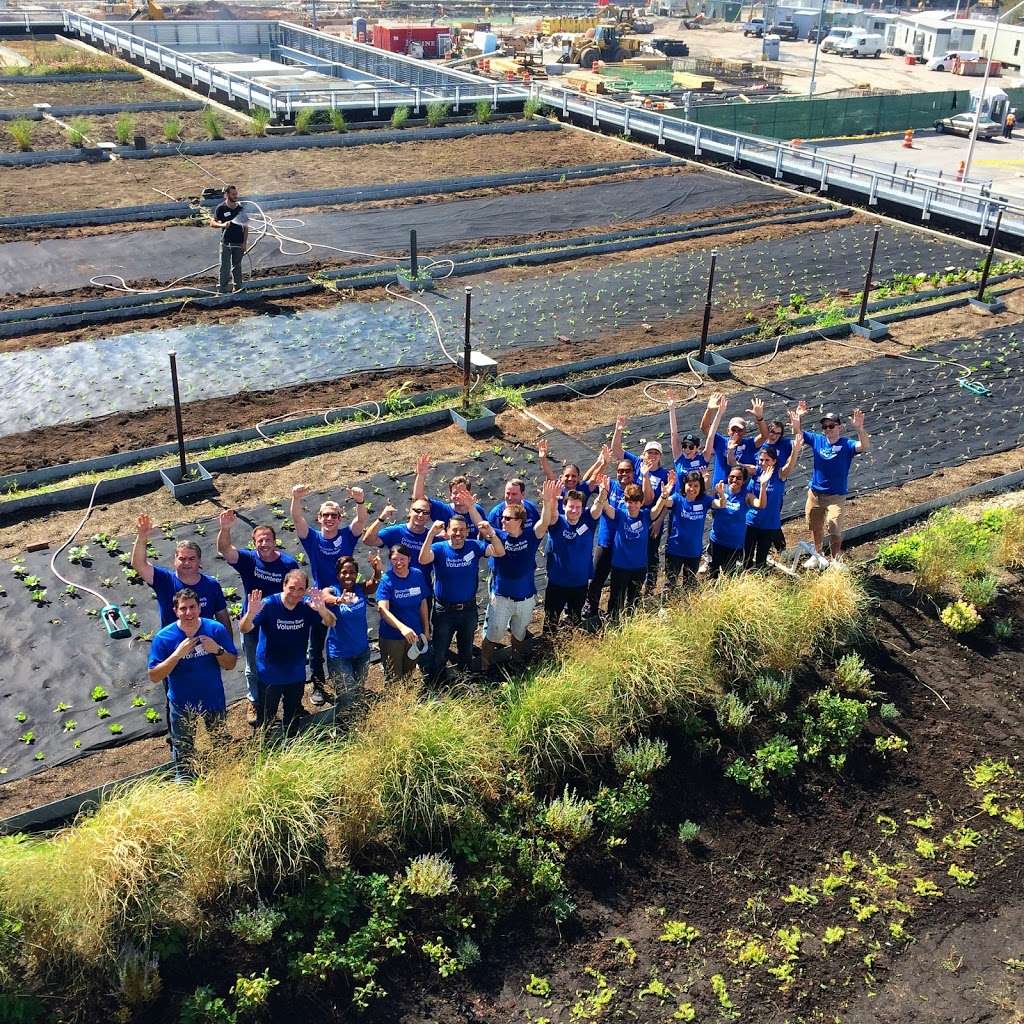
434 40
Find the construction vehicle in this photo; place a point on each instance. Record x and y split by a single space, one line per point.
600 43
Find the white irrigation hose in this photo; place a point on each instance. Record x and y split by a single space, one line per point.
316 412
78 529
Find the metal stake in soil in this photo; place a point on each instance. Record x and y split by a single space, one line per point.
413 261
988 258
173 356
867 279
467 350
707 307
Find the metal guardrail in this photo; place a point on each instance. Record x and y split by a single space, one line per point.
968 203
410 82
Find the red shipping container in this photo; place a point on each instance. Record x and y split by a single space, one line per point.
397 38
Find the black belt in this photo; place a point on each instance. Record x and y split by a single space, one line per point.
454 607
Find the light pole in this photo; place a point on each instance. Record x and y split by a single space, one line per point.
984 88
817 47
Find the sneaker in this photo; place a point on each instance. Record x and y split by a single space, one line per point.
815 561
250 715
317 697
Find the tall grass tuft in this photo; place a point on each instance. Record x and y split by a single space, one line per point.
437 112
172 129
211 124
399 116
78 131
338 122
483 112
831 608
260 118
21 131
124 129
303 119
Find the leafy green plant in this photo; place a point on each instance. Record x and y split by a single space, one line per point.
569 818
78 131
116 728
853 676
771 690
303 119
734 716
252 993
678 933
980 591
79 555
483 112
338 122
256 925
211 124
437 112
260 118
203 1006
430 875
172 129
962 876
642 758
97 693
531 108
960 617
124 129
830 724
776 759
152 715
689 832
399 116
1003 628
21 131
539 987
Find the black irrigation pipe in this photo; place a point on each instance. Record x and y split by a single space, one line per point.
132 483
90 76
332 197
161 106
63 811
254 144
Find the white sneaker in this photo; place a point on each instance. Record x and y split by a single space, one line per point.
823 562
813 561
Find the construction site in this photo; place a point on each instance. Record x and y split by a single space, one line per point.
482 236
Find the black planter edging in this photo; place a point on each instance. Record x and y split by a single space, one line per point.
90 76
262 144
163 106
72 496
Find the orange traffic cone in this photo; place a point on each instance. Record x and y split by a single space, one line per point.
796 143
908 139
960 171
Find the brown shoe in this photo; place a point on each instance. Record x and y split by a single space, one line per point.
250 715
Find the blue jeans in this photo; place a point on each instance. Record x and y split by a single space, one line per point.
181 725
250 641
347 676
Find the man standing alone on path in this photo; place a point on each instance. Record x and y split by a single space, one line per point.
233 221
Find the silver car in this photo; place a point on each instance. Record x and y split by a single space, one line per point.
963 124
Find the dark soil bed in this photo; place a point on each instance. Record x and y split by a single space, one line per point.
84 94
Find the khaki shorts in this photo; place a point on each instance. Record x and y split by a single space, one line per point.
504 615
824 511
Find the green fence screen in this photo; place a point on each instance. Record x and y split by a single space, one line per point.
802 118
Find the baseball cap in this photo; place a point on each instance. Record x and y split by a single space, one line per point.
834 416
738 421
653 446
690 439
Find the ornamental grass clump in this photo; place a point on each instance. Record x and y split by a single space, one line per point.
430 875
570 818
21 131
641 758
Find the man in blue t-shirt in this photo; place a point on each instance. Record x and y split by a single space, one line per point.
732 448
459 503
515 494
188 656
570 552
456 565
412 533
261 567
323 547
513 586
166 583
830 479
571 477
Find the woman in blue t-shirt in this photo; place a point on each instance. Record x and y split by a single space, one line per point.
764 521
689 506
729 519
348 643
631 528
404 614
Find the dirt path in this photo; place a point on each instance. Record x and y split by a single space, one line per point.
133 182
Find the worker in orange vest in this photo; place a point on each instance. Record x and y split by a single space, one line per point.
1008 124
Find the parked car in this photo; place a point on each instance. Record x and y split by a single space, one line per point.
814 34
836 36
963 124
671 47
784 30
754 27
861 44
948 59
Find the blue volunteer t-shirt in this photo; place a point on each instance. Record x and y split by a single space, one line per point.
401 534
443 511
832 463
457 572
686 526
257 574
604 527
729 523
348 638
629 540
403 595
784 446
284 637
684 465
769 517
532 514
323 554
166 584
570 551
746 452
512 575
195 682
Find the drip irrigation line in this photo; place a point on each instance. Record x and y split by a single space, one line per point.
78 529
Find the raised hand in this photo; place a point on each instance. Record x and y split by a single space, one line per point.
857 419
551 490
716 400
485 530
315 598
226 519
300 491
356 494
720 488
802 408
387 512
423 465
603 484
757 408
144 525
606 454
794 422
766 474
670 483
437 526
542 448
375 562
255 603
620 422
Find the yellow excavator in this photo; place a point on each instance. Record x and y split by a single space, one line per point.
600 43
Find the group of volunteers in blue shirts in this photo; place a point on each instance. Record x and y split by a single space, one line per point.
602 525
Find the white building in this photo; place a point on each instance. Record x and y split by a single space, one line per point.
932 34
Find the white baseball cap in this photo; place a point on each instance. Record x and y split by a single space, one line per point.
653 446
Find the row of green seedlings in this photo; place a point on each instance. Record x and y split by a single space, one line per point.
468 769
956 558
79 130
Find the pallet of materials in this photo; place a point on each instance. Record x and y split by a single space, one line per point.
695 83
587 81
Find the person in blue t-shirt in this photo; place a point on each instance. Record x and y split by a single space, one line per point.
188 656
188 557
515 494
689 507
456 565
382 533
773 433
734 448
688 452
458 494
284 621
323 547
729 519
404 614
571 478
765 519
513 587
570 557
261 566
830 479
630 525
348 641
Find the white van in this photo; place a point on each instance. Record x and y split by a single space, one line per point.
947 60
835 38
861 44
